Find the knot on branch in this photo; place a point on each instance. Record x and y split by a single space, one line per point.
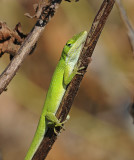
10 40
48 11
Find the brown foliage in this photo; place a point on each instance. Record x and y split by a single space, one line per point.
10 40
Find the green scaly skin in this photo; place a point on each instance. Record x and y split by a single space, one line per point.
65 71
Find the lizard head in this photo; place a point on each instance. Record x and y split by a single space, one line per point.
74 45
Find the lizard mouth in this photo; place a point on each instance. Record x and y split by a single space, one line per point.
82 44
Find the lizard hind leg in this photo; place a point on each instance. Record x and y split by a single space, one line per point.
53 122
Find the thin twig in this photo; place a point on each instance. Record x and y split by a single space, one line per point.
48 11
72 89
130 33
127 23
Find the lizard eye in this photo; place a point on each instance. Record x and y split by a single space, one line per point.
69 44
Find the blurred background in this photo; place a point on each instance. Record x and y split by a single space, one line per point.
100 127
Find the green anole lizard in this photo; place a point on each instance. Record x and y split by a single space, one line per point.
66 69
